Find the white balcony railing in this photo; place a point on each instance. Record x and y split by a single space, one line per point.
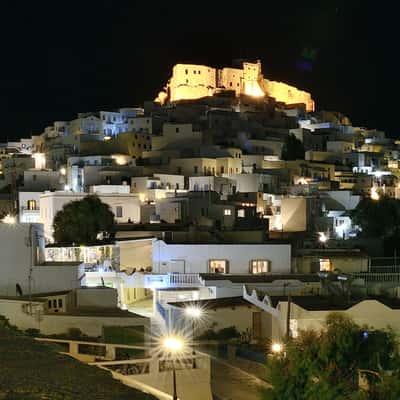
172 280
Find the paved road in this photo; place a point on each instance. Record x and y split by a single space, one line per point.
231 383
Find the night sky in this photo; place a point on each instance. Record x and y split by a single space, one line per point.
64 57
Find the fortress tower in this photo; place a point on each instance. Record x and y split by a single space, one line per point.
190 82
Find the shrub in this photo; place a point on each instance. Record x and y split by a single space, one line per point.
32 332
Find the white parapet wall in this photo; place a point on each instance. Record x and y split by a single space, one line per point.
18 313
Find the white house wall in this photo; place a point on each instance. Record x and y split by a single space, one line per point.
57 324
194 258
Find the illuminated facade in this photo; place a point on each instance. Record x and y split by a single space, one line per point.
190 82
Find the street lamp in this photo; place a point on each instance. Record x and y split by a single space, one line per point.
277 348
323 237
194 313
9 219
173 345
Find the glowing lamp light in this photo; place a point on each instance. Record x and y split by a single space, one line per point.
119 159
277 348
193 312
142 197
323 238
66 188
374 194
9 219
172 344
107 137
63 171
40 160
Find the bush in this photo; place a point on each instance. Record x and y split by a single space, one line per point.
75 333
32 332
228 333
5 323
223 334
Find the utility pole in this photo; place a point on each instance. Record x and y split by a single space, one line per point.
289 302
30 244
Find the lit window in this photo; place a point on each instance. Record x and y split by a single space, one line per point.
119 212
260 266
227 211
31 205
218 266
325 264
241 213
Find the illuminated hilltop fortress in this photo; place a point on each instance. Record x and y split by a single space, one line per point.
190 82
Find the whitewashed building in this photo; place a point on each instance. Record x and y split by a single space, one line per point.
221 258
124 206
22 263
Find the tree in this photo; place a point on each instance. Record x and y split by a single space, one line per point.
83 220
292 149
379 219
326 365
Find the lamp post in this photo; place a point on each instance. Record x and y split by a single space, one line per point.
173 345
194 313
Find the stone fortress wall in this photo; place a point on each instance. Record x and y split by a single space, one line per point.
190 82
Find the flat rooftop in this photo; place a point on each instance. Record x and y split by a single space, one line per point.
260 278
321 303
212 304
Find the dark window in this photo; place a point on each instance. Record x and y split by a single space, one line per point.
54 303
49 303
60 303
118 211
196 169
186 71
177 130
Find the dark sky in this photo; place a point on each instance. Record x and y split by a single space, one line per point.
63 57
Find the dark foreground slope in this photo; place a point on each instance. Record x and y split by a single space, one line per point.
30 370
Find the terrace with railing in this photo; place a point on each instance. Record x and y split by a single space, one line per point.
151 374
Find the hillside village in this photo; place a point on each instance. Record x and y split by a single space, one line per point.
230 192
